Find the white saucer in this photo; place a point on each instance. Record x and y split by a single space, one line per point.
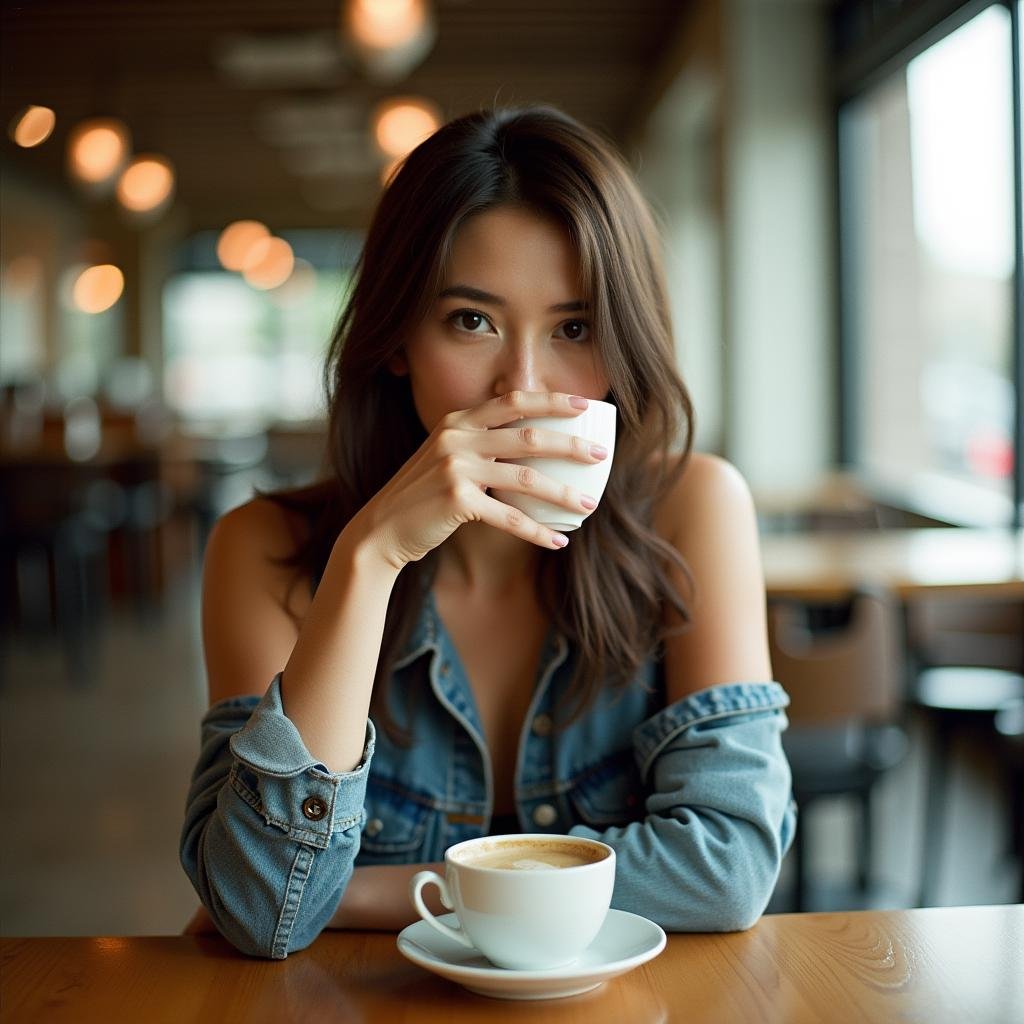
625 941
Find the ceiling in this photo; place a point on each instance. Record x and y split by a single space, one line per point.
291 145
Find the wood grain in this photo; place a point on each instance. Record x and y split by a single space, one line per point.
959 965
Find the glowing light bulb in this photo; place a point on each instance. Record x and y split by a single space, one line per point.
97 150
269 263
97 288
236 240
383 24
146 184
32 126
400 125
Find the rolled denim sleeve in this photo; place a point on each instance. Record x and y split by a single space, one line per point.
270 835
719 811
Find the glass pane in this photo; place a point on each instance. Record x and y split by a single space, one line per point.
240 356
927 227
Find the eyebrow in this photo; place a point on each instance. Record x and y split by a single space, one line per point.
465 291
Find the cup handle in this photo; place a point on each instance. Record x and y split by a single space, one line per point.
422 878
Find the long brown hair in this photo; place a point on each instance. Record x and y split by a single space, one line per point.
606 591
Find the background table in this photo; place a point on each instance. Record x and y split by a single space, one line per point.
960 965
909 563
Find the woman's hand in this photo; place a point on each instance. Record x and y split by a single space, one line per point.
444 484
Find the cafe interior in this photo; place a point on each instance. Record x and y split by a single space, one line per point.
185 188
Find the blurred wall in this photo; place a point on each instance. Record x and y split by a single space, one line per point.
780 268
679 165
737 157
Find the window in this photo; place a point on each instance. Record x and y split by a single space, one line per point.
927 229
246 358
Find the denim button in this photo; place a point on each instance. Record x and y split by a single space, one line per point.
314 808
373 827
541 725
544 815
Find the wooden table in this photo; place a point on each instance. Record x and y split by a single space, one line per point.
826 566
960 965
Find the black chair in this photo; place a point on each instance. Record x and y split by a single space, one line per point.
1009 723
55 523
845 687
968 655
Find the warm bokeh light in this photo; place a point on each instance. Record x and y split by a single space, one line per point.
98 288
146 184
269 263
97 150
400 125
32 126
384 24
236 240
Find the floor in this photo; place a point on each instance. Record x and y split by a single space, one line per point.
93 781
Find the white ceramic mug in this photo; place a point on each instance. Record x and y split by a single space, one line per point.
532 915
597 424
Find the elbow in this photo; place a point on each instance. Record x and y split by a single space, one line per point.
261 934
731 891
249 917
732 909
747 885
738 912
250 941
740 902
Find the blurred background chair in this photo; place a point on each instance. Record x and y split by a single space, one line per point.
969 666
844 679
1009 725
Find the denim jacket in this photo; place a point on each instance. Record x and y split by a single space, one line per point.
694 797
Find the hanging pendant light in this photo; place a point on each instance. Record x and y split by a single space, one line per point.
391 37
236 240
400 124
147 184
97 151
32 126
97 288
269 263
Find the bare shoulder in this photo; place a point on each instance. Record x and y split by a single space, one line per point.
709 517
260 526
252 608
710 489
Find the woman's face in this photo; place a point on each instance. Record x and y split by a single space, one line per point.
509 317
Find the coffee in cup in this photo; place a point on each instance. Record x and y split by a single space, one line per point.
526 902
533 855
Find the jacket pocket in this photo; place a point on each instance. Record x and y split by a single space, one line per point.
609 792
395 825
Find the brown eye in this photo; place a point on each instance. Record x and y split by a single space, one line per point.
576 330
468 320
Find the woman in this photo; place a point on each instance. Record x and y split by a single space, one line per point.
443 666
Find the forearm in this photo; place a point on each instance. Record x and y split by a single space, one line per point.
377 898
327 682
718 821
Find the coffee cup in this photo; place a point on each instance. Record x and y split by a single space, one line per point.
596 423
526 902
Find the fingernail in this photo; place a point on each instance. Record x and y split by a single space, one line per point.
559 540
598 451
578 403
587 501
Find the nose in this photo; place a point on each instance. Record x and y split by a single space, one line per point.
520 369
